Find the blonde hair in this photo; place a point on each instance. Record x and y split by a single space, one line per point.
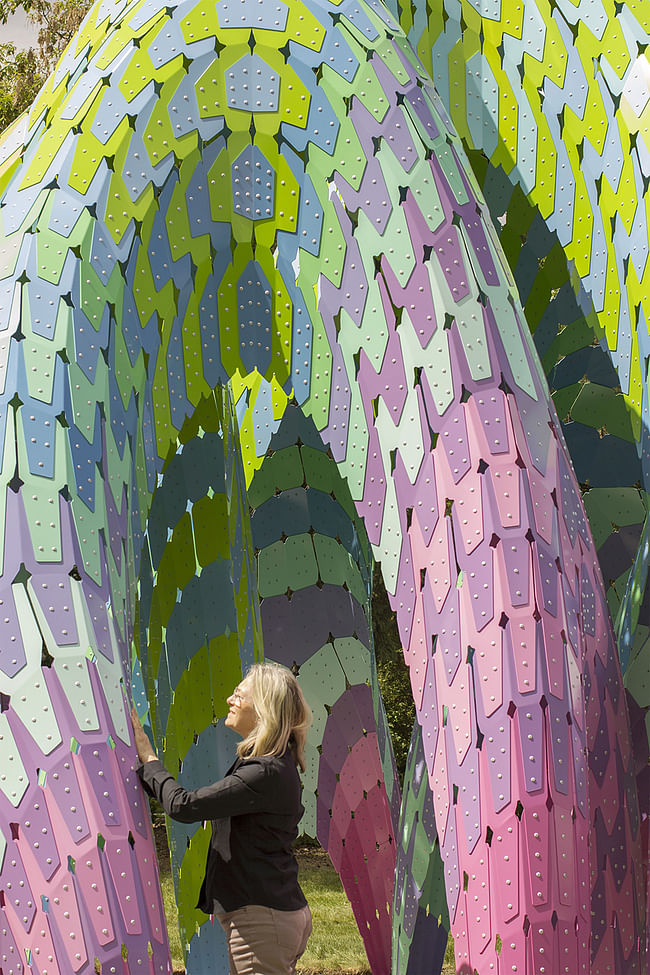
283 714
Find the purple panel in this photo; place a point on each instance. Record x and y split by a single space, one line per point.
390 383
455 442
428 818
16 888
497 746
425 503
352 290
466 777
428 714
376 205
535 419
52 590
478 576
572 511
587 604
579 771
295 629
404 601
516 557
396 131
598 918
62 784
531 734
12 652
600 753
451 863
97 763
9 953
416 296
492 410
354 711
571 607
416 105
132 788
548 575
119 857
558 732
447 626
612 845
374 488
37 830
474 227
451 258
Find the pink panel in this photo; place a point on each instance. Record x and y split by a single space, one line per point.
118 857
565 845
149 875
88 874
438 784
437 559
416 654
544 945
478 896
543 507
554 645
488 665
64 910
521 640
505 480
504 861
469 510
567 948
536 843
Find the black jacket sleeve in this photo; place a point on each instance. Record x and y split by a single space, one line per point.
243 791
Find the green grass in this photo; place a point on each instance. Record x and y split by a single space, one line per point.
335 947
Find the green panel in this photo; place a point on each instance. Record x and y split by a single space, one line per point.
279 472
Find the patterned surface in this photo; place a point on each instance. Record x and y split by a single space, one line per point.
274 198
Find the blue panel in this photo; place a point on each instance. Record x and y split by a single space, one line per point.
88 341
254 315
85 457
264 425
213 370
357 16
178 402
322 124
271 519
310 218
267 14
198 194
253 185
252 85
184 109
39 427
207 950
295 425
603 461
202 462
592 362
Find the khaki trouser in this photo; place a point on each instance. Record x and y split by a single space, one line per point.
263 941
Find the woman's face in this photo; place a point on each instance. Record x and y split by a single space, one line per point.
241 716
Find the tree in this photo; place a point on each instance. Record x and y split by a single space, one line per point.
392 673
23 73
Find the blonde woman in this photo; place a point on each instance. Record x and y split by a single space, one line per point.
251 877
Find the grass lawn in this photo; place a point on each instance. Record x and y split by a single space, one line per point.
335 946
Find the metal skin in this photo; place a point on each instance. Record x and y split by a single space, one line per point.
257 329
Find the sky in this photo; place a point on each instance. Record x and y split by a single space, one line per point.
19 31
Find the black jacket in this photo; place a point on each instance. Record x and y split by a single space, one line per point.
255 810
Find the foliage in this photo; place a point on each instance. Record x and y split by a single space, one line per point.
22 73
392 673
20 81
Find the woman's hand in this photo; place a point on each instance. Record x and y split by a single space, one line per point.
144 747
